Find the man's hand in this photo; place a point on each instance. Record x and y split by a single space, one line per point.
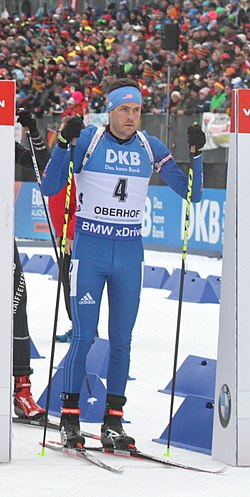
27 119
196 139
71 130
68 246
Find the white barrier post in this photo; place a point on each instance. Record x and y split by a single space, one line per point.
231 433
7 161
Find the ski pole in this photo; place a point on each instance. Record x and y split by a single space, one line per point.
182 276
62 251
91 398
38 179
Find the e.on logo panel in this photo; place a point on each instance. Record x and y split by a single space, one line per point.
7 103
244 111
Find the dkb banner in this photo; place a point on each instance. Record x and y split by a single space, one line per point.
30 218
163 222
164 218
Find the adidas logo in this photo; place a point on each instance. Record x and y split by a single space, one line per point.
87 299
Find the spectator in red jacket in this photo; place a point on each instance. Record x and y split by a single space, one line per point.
57 210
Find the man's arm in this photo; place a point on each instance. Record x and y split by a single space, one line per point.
171 173
55 175
22 154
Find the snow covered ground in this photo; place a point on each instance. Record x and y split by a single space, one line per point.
56 475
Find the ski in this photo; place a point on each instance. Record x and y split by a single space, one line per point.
135 453
125 453
83 454
51 425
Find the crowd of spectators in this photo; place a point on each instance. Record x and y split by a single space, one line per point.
63 62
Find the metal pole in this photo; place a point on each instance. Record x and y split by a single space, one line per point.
167 113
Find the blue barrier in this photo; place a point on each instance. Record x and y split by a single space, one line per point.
90 413
196 376
197 290
215 282
39 263
23 258
54 271
155 277
174 279
34 354
192 425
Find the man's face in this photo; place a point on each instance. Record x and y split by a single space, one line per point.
124 120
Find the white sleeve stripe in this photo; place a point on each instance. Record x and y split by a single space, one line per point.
159 165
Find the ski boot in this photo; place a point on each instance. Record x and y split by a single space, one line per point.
24 404
69 424
112 432
66 338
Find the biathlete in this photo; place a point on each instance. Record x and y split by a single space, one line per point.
112 169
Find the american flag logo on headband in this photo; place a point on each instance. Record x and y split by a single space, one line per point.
129 95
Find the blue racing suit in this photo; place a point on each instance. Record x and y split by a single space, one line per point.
111 191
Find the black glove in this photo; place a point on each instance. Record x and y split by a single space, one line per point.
196 138
27 119
70 131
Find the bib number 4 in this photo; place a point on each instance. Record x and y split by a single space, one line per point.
120 190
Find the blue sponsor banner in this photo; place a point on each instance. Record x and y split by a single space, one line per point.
163 222
30 217
164 218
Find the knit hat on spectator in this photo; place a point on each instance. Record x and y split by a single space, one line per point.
183 78
18 74
65 94
230 71
237 83
52 62
64 33
91 77
60 60
127 67
242 38
175 94
225 57
145 91
193 12
219 85
77 96
204 91
147 61
70 101
207 45
97 89
212 14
